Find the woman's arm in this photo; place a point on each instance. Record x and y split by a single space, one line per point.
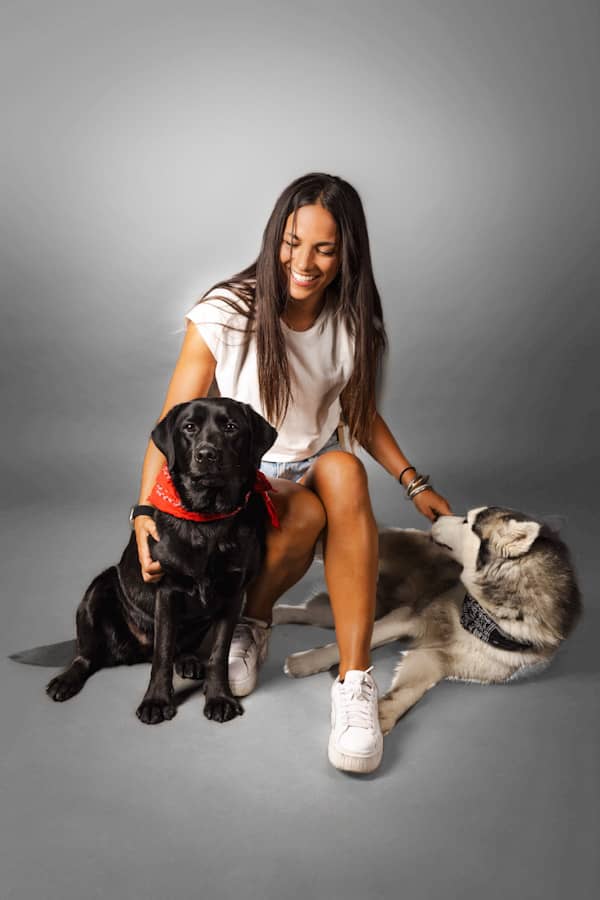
192 377
384 450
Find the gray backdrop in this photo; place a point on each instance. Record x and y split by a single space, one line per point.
143 147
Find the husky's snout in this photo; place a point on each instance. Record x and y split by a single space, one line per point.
447 531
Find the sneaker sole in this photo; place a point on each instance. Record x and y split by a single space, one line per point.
347 763
243 688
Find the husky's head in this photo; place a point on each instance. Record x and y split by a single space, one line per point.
516 567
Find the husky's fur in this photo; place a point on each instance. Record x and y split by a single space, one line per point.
516 568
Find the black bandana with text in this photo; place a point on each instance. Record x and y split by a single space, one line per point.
475 619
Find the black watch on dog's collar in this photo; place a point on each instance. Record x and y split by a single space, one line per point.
140 510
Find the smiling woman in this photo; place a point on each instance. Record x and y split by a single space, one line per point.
299 336
310 254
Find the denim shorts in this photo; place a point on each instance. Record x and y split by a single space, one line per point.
296 469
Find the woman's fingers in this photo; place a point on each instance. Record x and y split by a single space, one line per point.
443 507
432 505
150 579
152 529
151 569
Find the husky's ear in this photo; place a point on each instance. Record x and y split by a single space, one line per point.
262 435
512 538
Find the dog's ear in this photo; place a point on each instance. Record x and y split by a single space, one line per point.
163 434
262 435
512 538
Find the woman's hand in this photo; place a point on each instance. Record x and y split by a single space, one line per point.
145 525
431 504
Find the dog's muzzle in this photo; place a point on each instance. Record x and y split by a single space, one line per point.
206 454
206 461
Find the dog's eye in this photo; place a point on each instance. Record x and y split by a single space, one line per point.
189 427
231 425
465 521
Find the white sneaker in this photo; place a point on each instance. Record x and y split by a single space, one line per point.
356 741
248 652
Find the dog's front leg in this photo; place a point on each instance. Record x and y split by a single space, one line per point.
309 662
220 704
172 553
316 611
391 627
417 672
157 704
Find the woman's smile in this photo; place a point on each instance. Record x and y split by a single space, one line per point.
303 280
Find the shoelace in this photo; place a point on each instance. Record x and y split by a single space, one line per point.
245 634
244 638
357 705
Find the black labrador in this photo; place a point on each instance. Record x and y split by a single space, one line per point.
213 447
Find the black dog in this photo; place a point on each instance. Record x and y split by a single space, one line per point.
213 448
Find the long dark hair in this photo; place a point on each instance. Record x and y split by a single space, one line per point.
263 292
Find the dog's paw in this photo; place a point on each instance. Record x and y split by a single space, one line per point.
64 686
298 665
222 708
387 714
154 710
190 666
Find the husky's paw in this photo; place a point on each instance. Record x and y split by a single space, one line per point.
388 713
298 665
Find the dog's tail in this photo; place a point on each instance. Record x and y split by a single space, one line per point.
51 655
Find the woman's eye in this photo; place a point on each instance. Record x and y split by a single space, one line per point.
322 252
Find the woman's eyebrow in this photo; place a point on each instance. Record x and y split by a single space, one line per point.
318 244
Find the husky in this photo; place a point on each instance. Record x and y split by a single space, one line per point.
487 598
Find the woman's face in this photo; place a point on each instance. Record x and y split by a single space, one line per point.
310 255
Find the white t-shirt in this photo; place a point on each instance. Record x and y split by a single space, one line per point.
320 360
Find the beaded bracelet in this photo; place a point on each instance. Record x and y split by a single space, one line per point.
416 485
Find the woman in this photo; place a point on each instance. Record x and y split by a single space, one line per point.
299 335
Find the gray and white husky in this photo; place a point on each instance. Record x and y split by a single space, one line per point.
485 598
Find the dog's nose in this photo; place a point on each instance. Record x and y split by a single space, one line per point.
205 454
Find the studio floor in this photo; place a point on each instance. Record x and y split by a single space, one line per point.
483 791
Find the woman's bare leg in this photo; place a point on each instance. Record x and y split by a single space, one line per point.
290 549
350 551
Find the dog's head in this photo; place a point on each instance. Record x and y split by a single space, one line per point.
213 446
485 533
513 564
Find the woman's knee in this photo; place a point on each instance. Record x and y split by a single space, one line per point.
340 473
301 515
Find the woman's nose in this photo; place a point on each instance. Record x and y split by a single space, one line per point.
303 260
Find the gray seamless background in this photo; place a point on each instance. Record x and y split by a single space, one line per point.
144 145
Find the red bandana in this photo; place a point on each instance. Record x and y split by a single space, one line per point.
164 496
